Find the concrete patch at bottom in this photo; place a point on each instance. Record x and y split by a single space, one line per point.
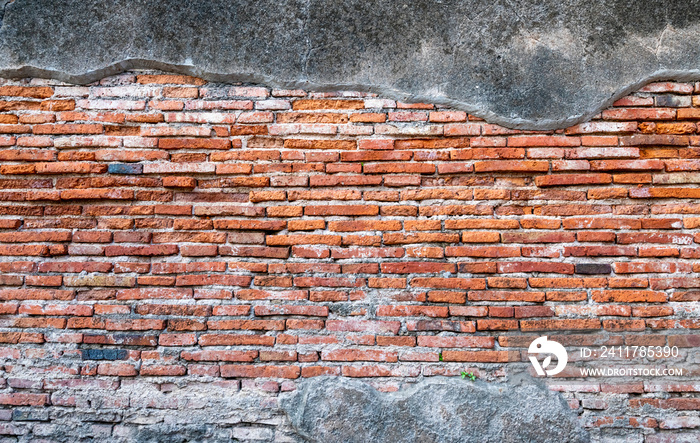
335 409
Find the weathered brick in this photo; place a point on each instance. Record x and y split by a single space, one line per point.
511 166
237 237
573 179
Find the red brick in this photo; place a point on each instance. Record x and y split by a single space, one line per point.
363 326
417 267
455 342
506 296
569 324
511 166
412 311
482 251
546 267
311 105
537 237
358 355
237 356
626 165
117 369
629 296
573 179
543 140
24 399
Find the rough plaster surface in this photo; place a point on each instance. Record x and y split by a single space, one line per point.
329 409
207 411
321 410
522 63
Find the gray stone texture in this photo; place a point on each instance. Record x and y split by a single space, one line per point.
324 409
536 64
330 410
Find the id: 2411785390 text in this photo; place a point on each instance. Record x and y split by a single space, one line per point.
631 352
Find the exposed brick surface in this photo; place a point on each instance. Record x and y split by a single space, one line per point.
240 234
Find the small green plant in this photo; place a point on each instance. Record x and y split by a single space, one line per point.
440 356
471 376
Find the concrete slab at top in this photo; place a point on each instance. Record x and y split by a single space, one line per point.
533 64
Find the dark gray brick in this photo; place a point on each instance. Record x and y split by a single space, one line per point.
104 354
673 101
593 268
125 168
30 414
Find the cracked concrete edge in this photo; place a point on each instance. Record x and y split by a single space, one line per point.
522 409
489 116
534 64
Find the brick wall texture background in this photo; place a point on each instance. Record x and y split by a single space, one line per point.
162 238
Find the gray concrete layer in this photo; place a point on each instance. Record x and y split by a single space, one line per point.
341 410
535 64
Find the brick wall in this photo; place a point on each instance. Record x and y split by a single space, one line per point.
162 234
